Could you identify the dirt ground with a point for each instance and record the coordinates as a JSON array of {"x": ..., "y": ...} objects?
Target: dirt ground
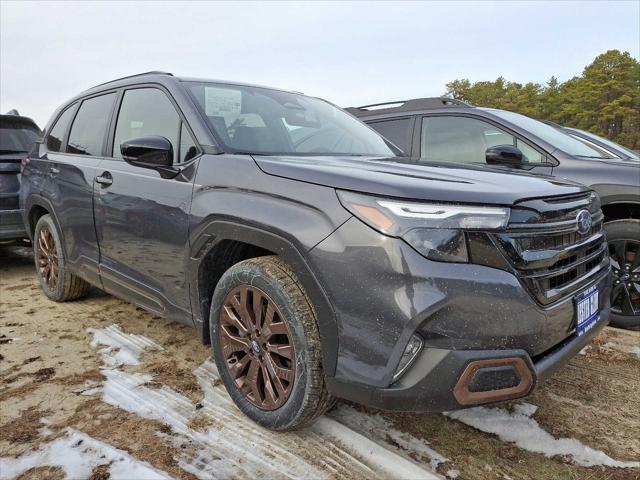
[{"x": 47, "y": 363}]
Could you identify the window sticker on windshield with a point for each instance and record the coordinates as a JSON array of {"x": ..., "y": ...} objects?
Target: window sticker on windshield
[
  {"x": 136, "y": 124},
  {"x": 222, "y": 102}
]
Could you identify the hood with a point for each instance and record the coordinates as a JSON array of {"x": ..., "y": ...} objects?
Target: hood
[{"x": 404, "y": 178}]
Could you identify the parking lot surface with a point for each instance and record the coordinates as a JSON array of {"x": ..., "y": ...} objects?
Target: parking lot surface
[{"x": 98, "y": 387}]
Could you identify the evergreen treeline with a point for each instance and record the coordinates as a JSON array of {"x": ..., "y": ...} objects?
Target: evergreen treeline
[{"x": 604, "y": 100}]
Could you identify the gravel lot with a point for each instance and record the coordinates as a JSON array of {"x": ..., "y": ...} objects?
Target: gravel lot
[{"x": 99, "y": 387}]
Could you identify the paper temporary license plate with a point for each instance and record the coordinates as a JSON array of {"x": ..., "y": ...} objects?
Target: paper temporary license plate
[{"x": 586, "y": 310}]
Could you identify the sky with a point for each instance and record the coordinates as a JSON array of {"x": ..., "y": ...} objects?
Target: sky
[{"x": 349, "y": 53}]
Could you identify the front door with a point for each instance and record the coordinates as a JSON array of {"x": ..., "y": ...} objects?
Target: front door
[
  {"x": 465, "y": 139},
  {"x": 142, "y": 218}
]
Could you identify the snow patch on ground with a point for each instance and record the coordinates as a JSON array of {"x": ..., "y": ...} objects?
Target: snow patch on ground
[
  {"x": 78, "y": 454},
  {"x": 518, "y": 427},
  {"x": 232, "y": 446},
  {"x": 632, "y": 349},
  {"x": 121, "y": 348},
  {"x": 453, "y": 473},
  {"x": 377, "y": 428}
]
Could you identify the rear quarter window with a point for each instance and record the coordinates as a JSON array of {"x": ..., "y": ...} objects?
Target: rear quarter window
[
  {"x": 56, "y": 135},
  {"x": 398, "y": 131}
]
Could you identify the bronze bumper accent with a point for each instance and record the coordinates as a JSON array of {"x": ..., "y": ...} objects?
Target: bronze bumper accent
[{"x": 466, "y": 397}]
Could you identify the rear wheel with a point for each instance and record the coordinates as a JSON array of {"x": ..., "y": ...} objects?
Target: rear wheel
[
  {"x": 266, "y": 344},
  {"x": 623, "y": 237},
  {"x": 56, "y": 281}
]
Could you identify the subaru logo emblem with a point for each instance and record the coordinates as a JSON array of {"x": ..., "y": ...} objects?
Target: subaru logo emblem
[{"x": 583, "y": 220}]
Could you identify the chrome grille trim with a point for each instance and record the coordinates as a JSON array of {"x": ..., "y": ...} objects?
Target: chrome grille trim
[{"x": 547, "y": 252}]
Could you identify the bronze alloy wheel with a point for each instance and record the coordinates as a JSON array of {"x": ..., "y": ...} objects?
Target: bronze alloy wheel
[
  {"x": 47, "y": 258},
  {"x": 257, "y": 347}
]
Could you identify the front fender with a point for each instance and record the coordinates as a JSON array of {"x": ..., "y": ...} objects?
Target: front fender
[
  {"x": 233, "y": 199},
  {"x": 215, "y": 231}
]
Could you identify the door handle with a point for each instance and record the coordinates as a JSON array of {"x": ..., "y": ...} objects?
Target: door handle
[
  {"x": 105, "y": 179},
  {"x": 54, "y": 170}
]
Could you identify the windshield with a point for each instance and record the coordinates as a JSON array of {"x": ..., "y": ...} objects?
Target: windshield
[
  {"x": 608, "y": 143},
  {"x": 16, "y": 138},
  {"x": 551, "y": 135},
  {"x": 271, "y": 122}
]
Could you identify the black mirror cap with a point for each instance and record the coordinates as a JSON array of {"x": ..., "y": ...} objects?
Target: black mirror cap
[
  {"x": 504, "y": 155},
  {"x": 148, "y": 152}
]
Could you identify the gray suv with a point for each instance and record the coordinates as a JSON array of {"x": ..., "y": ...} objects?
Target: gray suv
[
  {"x": 444, "y": 131},
  {"x": 315, "y": 260}
]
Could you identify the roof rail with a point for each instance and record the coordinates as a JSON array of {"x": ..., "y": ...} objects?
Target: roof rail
[
  {"x": 152, "y": 72},
  {"x": 408, "y": 105}
]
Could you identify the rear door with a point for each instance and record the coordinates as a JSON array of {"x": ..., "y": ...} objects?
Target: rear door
[
  {"x": 141, "y": 217},
  {"x": 72, "y": 158}
]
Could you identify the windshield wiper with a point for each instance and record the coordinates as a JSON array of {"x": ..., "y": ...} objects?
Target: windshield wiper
[{"x": 249, "y": 153}]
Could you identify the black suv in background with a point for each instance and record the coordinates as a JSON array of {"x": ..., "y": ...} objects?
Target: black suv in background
[
  {"x": 444, "y": 130},
  {"x": 17, "y": 136},
  {"x": 316, "y": 261}
]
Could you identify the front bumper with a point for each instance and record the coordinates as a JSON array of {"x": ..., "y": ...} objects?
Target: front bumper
[
  {"x": 430, "y": 385},
  {"x": 11, "y": 225},
  {"x": 383, "y": 291}
]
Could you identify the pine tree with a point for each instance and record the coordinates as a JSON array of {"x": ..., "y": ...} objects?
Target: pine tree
[{"x": 604, "y": 100}]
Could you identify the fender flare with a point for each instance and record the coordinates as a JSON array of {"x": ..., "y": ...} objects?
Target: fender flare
[
  {"x": 35, "y": 200},
  {"x": 213, "y": 232}
]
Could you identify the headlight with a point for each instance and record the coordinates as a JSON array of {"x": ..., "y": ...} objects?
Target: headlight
[{"x": 436, "y": 230}]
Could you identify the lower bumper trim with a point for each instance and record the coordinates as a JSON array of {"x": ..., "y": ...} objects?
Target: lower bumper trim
[{"x": 505, "y": 367}]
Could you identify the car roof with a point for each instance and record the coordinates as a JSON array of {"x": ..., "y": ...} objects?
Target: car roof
[
  {"x": 415, "y": 105},
  {"x": 14, "y": 118},
  {"x": 163, "y": 78}
]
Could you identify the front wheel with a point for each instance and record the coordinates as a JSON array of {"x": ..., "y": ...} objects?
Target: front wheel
[
  {"x": 266, "y": 344},
  {"x": 57, "y": 282},
  {"x": 623, "y": 237}
]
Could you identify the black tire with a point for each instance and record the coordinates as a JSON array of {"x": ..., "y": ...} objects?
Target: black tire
[
  {"x": 67, "y": 286},
  {"x": 620, "y": 232},
  {"x": 308, "y": 398}
]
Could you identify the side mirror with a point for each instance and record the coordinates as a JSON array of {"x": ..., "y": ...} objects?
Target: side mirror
[
  {"x": 153, "y": 152},
  {"x": 504, "y": 155}
]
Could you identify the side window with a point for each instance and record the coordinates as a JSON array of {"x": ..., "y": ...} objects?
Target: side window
[
  {"x": 188, "y": 148},
  {"x": 144, "y": 112},
  {"x": 90, "y": 125},
  {"x": 465, "y": 140},
  {"x": 398, "y": 131},
  {"x": 56, "y": 135},
  {"x": 530, "y": 154}
]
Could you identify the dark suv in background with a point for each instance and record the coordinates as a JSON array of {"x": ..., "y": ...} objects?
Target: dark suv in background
[
  {"x": 17, "y": 136},
  {"x": 444, "y": 130},
  {"x": 316, "y": 261}
]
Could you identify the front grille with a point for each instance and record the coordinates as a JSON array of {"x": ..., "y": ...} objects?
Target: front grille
[{"x": 544, "y": 247}]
